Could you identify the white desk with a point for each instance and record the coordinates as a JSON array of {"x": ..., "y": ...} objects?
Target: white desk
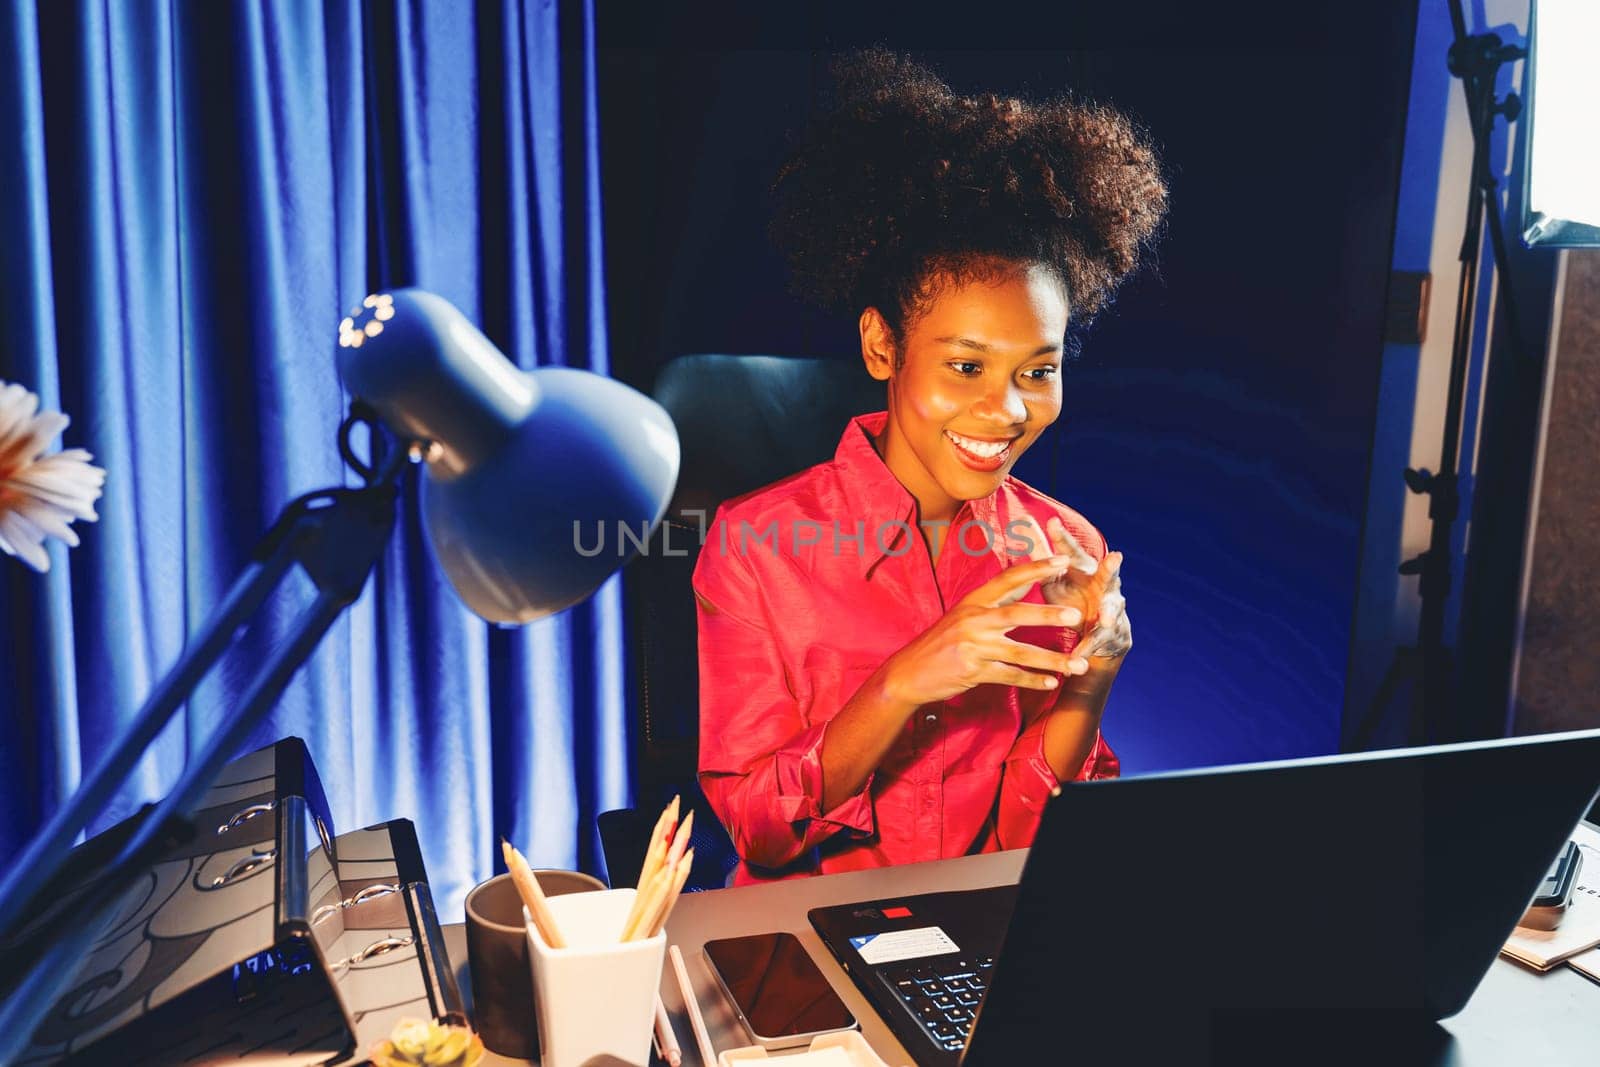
[{"x": 1515, "y": 1019}]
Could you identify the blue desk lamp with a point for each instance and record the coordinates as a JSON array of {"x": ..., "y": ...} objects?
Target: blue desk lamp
[{"x": 516, "y": 463}]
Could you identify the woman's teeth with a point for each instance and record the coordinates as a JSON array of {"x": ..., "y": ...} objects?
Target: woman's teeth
[{"x": 985, "y": 449}]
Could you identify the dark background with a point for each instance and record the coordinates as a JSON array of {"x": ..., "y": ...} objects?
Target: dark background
[{"x": 1219, "y": 423}]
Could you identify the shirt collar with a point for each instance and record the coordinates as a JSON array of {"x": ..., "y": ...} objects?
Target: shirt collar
[{"x": 875, "y": 497}]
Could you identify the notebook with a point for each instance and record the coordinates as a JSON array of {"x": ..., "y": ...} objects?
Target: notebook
[{"x": 1217, "y": 914}]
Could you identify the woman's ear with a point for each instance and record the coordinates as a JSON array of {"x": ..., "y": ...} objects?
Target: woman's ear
[{"x": 877, "y": 344}]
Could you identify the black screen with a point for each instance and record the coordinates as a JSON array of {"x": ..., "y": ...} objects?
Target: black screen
[{"x": 777, "y": 986}]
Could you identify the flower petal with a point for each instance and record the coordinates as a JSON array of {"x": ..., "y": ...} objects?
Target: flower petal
[
  {"x": 69, "y": 468},
  {"x": 49, "y": 519},
  {"x": 17, "y": 405},
  {"x": 78, "y": 455},
  {"x": 40, "y": 496},
  {"x": 74, "y": 498},
  {"x": 25, "y": 528},
  {"x": 28, "y": 441},
  {"x": 22, "y": 544},
  {"x": 46, "y": 427}
]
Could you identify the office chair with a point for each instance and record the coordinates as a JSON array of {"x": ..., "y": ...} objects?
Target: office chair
[{"x": 743, "y": 422}]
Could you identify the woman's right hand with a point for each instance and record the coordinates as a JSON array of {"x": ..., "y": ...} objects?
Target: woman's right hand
[{"x": 968, "y": 646}]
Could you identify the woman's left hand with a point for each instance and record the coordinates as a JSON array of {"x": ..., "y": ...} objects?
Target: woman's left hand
[{"x": 1094, "y": 587}]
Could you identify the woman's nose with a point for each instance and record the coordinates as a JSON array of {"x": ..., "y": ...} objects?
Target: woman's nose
[{"x": 1002, "y": 406}]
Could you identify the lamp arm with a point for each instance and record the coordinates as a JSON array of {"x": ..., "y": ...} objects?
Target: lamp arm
[
  {"x": 46, "y": 851},
  {"x": 44, "y": 854},
  {"x": 337, "y": 536},
  {"x": 54, "y": 971}
]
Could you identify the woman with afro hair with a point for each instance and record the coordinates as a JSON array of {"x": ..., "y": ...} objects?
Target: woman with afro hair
[{"x": 904, "y": 650}]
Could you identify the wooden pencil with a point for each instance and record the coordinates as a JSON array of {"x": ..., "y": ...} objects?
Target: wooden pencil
[
  {"x": 640, "y": 923},
  {"x": 659, "y": 921},
  {"x": 654, "y": 854},
  {"x": 660, "y": 838},
  {"x": 648, "y": 900},
  {"x": 680, "y": 839},
  {"x": 528, "y": 888}
]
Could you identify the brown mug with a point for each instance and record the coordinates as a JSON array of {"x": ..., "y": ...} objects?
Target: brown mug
[{"x": 497, "y": 955}]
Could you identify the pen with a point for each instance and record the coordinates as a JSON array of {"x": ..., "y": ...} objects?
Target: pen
[
  {"x": 666, "y": 1041},
  {"x": 697, "y": 1023}
]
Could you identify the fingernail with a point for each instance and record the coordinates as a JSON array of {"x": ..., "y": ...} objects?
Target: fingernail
[
  {"x": 1081, "y": 666},
  {"x": 1071, "y": 616},
  {"x": 1050, "y": 682}
]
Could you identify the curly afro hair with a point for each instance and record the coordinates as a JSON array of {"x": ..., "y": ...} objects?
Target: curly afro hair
[{"x": 902, "y": 183}]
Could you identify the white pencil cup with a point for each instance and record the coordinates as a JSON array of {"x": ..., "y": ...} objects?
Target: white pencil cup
[{"x": 596, "y": 998}]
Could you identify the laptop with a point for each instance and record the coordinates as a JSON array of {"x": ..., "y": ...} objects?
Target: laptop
[{"x": 1214, "y": 914}]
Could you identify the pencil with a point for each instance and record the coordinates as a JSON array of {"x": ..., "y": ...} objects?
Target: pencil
[
  {"x": 660, "y": 839},
  {"x": 680, "y": 839},
  {"x": 697, "y": 1022},
  {"x": 666, "y": 1040},
  {"x": 680, "y": 876},
  {"x": 643, "y": 916},
  {"x": 646, "y": 901},
  {"x": 653, "y": 856},
  {"x": 528, "y": 887}
]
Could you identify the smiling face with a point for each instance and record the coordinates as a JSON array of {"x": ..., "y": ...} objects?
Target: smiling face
[{"x": 979, "y": 382}]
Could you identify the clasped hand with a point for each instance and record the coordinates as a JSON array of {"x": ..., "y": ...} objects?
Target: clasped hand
[{"x": 969, "y": 645}]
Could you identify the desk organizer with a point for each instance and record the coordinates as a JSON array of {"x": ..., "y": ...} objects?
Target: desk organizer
[
  {"x": 596, "y": 998},
  {"x": 257, "y": 935}
]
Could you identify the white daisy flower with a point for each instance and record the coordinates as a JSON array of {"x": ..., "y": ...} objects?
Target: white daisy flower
[{"x": 40, "y": 495}]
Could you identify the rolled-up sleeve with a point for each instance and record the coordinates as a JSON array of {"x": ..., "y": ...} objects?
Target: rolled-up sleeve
[
  {"x": 760, "y": 754},
  {"x": 1028, "y": 782}
]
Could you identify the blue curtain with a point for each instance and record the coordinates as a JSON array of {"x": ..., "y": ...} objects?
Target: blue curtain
[{"x": 190, "y": 196}]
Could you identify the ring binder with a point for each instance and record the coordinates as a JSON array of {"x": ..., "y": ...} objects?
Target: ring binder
[{"x": 257, "y": 937}]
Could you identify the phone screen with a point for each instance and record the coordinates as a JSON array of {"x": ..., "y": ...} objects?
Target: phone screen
[{"x": 777, "y": 986}]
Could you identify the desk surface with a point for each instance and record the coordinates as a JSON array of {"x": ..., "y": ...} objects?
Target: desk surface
[{"x": 1516, "y": 1017}]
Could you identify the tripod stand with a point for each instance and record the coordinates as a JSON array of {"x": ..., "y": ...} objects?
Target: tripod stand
[{"x": 1430, "y": 665}]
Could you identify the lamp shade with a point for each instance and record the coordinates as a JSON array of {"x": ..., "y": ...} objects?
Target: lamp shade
[{"x": 539, "y": 484}]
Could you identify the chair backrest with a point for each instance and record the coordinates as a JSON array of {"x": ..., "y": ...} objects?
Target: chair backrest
[
  {"x": 746, "y": 421},
  {"x": 743, "y": 422}
]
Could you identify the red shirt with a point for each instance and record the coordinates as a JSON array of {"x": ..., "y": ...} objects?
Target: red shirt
[{"x": 804, "y": 589}]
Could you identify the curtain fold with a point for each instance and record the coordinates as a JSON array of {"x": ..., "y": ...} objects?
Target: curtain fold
[{"x": 192, "y": 195}]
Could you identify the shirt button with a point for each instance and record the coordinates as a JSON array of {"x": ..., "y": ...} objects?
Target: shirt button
[{"x": 930, "y": 717}]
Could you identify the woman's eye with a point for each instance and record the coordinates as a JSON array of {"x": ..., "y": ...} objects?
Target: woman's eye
[
  {"x": 1040, "y": 374},
  {"x": 965, "y": 367}
]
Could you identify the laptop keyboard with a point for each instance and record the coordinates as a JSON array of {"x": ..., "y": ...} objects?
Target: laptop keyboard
[{"x": 943, "y": 995}]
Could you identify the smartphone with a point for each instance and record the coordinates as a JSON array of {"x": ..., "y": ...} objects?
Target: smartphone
[{"x": 776, "y": 989}]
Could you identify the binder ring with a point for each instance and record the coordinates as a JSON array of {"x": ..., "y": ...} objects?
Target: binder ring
[
  {"x": 371, "y": 892},
  {"x": 377, "y": 948},
  {"x": 245, "y": 814},
  {"x": 243, "y": 867}
]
